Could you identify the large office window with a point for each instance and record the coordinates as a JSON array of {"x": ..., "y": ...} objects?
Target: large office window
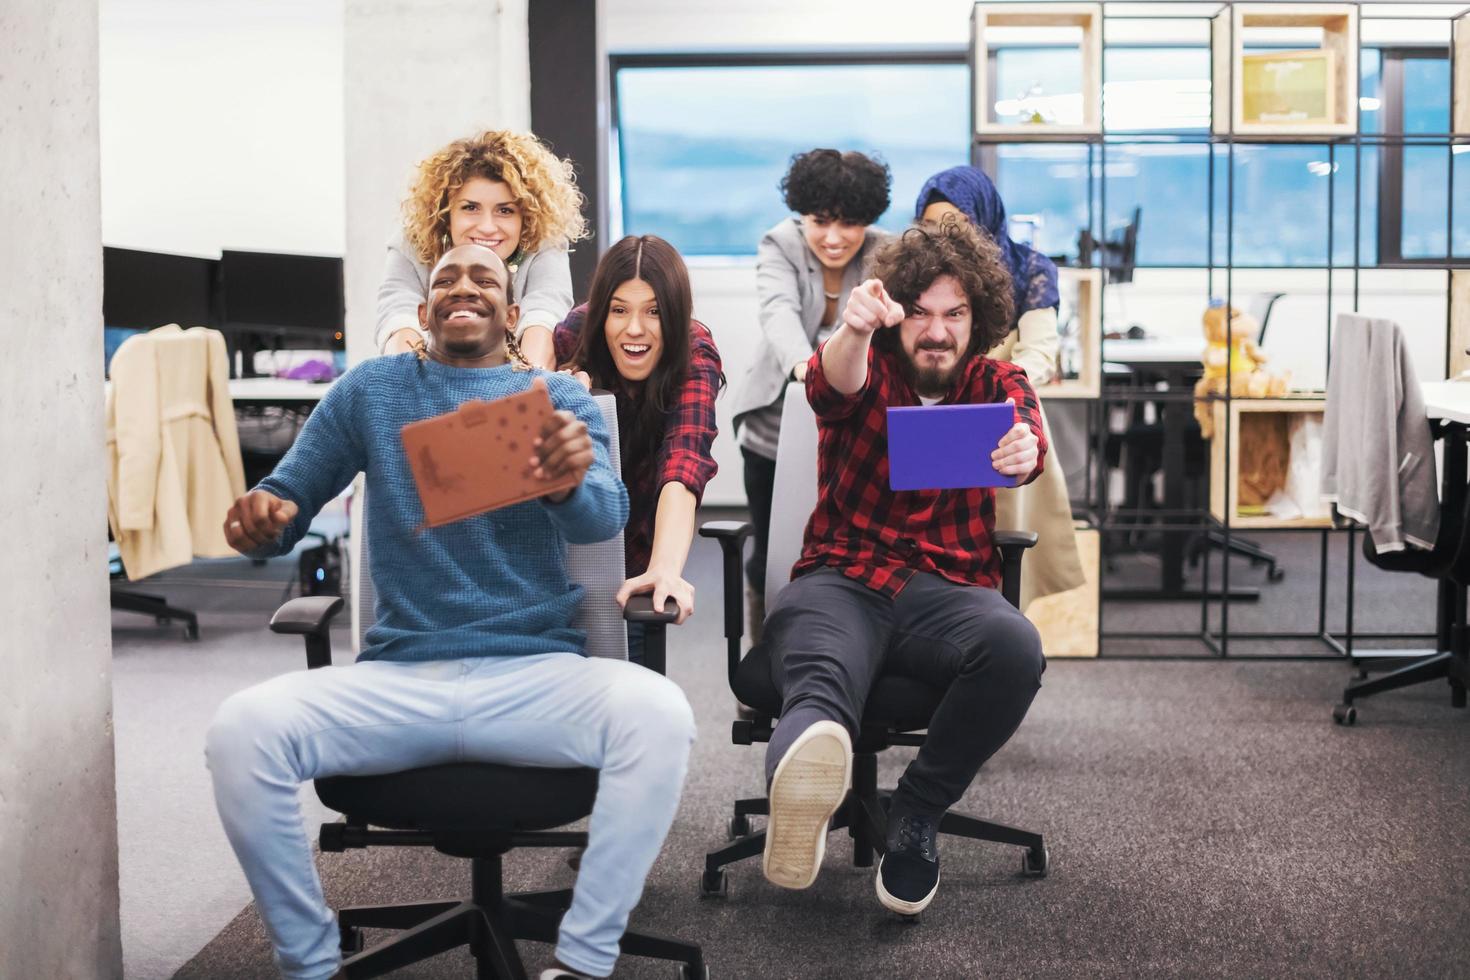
[
  {"x": 701, "y": 149},
  {"x": 701, "y": 144}
]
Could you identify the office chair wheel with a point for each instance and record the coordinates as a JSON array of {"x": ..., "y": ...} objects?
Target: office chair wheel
[
  {"x": 738, "y": 827},
  {"x": 1345, "y": 714},
  {"x": 351, "y": 941},
  {"x": 687, "y": 974},
  {"x": 714, "y": 884},
  {"x": 191, "y": 631},
  {"x": 1035, "y": 862},
  {"x": 1275, "y": 573}
]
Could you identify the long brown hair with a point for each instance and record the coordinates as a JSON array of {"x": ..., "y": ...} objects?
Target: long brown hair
[{"x": 642, "y": 406}]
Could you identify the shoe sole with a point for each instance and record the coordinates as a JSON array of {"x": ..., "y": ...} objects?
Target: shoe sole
[
  {"x": 898, "y": 905},
  {"x": 810, "y": 784}
]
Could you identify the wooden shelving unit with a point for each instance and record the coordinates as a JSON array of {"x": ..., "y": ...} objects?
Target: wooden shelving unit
[
  {"x": 1088, "y": 17},
  {"x": 1461, "y": 87},
  {"x": 1459, "y": 321},
  {"x": 1339, "y": 26},
  {"x": 1067, "y": 621},
  {"x": 1250, "y": 418},
  {"x": 1088, "y": 317}
]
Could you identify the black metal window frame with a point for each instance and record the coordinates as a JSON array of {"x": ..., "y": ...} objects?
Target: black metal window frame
[{"x": 1391, "y": 158}]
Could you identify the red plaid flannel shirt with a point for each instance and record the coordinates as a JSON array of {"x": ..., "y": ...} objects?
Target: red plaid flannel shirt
[
  {"x": 689, "y": 431},
  {"x": 881, "y": 537}
]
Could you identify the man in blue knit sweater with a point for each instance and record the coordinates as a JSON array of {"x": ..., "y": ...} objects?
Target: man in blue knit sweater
[{"x": 472, "y": 657}]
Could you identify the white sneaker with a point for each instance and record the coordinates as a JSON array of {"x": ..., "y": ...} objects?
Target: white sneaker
[{"x": 811, "y": 782}]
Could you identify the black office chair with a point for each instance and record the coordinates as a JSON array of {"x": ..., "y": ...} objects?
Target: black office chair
[
  {"x": 897, "y": 707},
  {"x": 480, "y": 811}
]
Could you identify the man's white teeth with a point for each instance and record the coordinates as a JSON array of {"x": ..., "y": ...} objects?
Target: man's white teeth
[{"x": 462, "y": 315}]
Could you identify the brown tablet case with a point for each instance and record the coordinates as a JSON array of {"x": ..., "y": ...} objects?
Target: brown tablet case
[{"x": 475, "y": 459}]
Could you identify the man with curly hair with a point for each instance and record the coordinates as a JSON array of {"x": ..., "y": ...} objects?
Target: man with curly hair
[{"x": 905, "y": 582}]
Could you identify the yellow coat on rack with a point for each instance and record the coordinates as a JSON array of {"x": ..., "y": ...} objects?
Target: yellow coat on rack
[
  {"x": 1042, "y": 506},
  {"x": 174, "y": 464}
]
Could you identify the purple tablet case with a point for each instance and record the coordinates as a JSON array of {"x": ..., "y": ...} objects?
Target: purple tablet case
[{"x": 946, "y": 447}]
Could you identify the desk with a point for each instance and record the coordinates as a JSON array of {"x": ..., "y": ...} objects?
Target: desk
[
  {"x": 268, "y": 391},
  {"x": 1448, "y": 403},
  {"x": 1178, "y": 362}
]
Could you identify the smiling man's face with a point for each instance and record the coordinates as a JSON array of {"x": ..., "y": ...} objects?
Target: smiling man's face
[{"x": 468, "y": 309}]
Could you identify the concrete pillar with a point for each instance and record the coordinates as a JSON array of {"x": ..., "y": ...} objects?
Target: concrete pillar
[
  {"x": 418, "y": 74},
  {"x": 58, "y": 813}
]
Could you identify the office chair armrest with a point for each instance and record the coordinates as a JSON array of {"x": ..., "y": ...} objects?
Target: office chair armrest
[
  {"x": 640, "y": 610},
  {"x": 1012, "y": 546},
  {"x": 1013, "y": 539},
  {"x": 310, "y": 616},
  {"x": 306, "y": 615},
  {"x": 731, "y": 535}
]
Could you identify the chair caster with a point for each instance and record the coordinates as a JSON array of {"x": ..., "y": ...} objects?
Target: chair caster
[
  {"x": 191, "y": 631},
  {"x": 351, "y": 941},
  {"x": 685, "y": 973},
  {"x": 1035, "y": 862},
  {"x": 1275, "y": 573},
  {"x": 714, "y": 884},
  {"x": 1345, "y": 714},
  {"x": 738, "y": 827}
]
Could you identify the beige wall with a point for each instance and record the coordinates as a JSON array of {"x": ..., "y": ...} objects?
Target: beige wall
[{"x": 58, "y": 824}]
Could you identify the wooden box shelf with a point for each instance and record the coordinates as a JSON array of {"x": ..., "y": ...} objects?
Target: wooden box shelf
[
  {"x": 1459, "y": 322},
  {"x": 1087, "y": 16},
  {"x": 1087, "y": 323},
  {"x": 1339, "y": 25},
  {"x": 1460, "y": 91},
  {"x": 1251, "y": 418}
]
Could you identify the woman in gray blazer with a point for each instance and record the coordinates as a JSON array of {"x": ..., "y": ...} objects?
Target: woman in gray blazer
[{"x": 804, "y": 269}]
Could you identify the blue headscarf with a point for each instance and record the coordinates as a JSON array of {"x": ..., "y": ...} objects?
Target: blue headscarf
[{"x": 1033, "y": 275}]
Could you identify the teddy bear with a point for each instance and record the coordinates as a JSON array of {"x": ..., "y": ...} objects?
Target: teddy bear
[{"x": 1231, "y": 355}]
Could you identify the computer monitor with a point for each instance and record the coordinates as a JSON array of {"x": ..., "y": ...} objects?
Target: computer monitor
[
  {"x": 281, "y": 301},
  {"x": 1117, "y": 255},
  {"x": 143, "y": 290}
]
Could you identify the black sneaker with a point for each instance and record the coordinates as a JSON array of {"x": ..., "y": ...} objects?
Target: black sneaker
[{"x": 908, "y": 874}]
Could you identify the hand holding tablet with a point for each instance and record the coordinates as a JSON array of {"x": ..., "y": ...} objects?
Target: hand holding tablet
[{"x": 954, "y": 447}]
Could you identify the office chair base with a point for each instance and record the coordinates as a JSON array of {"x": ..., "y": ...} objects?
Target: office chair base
[
  {"x": 157, "y": 607},
  {"x": 1441, "y": 665},
  {"x": 489, "y": 923}
]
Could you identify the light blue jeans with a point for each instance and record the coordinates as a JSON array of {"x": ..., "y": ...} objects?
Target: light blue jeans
[{"x": 557, "y": 709}]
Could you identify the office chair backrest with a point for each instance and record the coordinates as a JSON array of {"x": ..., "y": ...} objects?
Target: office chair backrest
[
  {"x": 794, "y": 494},
  {"x": 598, "y": 568}
]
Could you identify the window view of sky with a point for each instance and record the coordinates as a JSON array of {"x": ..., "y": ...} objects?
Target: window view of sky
[{"x": 701, "y": 151}]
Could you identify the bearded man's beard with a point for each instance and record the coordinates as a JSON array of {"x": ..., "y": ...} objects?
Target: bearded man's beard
[{"x": 930, "y": 381}]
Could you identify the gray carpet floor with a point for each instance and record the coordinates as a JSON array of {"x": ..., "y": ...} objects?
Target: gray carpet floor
[{"x": 1204, "y": 819}]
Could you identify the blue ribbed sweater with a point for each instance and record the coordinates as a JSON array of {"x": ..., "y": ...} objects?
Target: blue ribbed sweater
[{"x": 492, "y": 585}]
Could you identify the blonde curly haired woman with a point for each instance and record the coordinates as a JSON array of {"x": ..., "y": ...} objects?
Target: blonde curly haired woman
[{"x": 501, "y": 189}]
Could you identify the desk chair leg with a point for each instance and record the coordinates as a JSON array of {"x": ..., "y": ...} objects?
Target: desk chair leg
[
  {"x": 1430, "y": 668},
  {"x": 496, "y": 957},
  {"x": 439, "y": 934},
  {"x": 157, "y": 607},
  {"x": 664, "y": 948},
  {"x": 390, "y": 916}
]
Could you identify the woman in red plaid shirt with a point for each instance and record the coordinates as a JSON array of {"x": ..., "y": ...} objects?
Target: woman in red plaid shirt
[
  {"x": 906, "y": 582},
  {"x": 664, "y": 370}
]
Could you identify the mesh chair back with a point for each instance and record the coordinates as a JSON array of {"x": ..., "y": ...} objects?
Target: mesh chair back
[
  {"x": 795, "y": 490},
  {"x": 598, "y": 568}
]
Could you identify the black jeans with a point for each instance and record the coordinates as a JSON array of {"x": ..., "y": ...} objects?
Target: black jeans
[
  {"x": 831, "y": 636},
  {"x": 760, "y": 483}
]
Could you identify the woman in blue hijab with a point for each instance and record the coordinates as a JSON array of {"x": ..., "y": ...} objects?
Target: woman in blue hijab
[
  {"x": 1041, "y": 506},
  {"x": 969, "y": 194}
]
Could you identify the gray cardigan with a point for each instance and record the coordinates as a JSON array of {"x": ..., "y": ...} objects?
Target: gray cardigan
[
  {"x": 788, "y": 286},
  {"x": 1377, "y": 446},
  {"x": 542, "y": 283}
]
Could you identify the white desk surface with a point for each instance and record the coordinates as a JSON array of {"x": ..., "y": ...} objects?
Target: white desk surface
[
  {"x": 276, "y": 389},
  {"x": 1154, "y": 350},
  {"x": 269, "y": 390},
  {"x": 1447, "y": 400}
]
